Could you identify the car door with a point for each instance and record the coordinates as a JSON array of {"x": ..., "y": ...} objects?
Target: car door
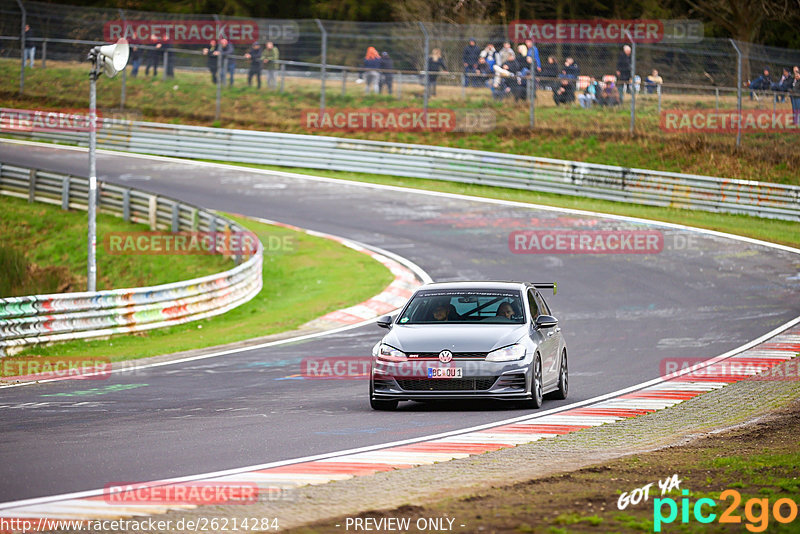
[{"x": 549, "y": 340}]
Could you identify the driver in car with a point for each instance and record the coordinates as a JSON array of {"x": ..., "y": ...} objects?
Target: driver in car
[
  {"x": 440, "y": 313},
  {"x": 505, "y": 310}
]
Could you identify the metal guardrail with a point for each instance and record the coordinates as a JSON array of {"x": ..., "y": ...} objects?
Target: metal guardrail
[
  {"x": 47, "y": 318},
  {"x": 607, "y": 182}
]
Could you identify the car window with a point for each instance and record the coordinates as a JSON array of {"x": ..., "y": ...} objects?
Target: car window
[
  {"x": 483, "y": 306},
  {"x": 532, "y": 304},
  {"x": 543, "y": 307}
]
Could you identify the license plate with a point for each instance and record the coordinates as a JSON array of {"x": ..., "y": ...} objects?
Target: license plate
[{"x": 445, "y": 372}]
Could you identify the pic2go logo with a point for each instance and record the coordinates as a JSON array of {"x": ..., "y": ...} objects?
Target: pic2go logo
[{"x": 756, "y": 511}]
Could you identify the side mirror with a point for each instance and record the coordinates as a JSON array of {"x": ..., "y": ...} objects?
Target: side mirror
[
  {"x": 546, "y": 321},
  {"x": 386, "y": 321}
]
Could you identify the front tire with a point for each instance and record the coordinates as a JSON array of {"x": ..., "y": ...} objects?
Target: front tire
[
  {"x": 535, "y": 402},
  {"x": 381, "y": 405},
  {"x": 563, "y": 380}
]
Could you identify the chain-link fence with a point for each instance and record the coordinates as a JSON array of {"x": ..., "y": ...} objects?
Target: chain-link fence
[{"x": 323, "y": 64}]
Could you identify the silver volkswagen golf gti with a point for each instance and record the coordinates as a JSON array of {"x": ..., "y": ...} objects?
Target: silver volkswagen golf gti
[{"x": 468, "y": 340}]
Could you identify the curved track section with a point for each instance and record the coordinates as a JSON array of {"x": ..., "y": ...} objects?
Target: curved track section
[{"x": 623, "y": 314}]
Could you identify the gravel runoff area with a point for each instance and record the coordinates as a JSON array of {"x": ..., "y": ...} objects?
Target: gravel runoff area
[{"x": 324, "y": 506}]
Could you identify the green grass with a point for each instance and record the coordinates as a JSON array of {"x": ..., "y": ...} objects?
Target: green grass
[
  {"x": 308, "y": 279},
  {"x": 776, "y": 231},
  {"x": 43, "y": 250},
  {"x": 598, "y": 135}
]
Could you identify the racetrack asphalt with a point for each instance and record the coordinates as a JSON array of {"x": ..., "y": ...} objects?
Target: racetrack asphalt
[{"x": 622, "y": 316}]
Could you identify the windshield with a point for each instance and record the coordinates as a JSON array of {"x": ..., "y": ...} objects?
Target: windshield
[{"x": 464, "y": 306}]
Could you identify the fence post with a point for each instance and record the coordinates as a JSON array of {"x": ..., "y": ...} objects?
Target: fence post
[
  {"x": 152, "y": 212},
  {"x": 32, "y": 185},
  {"x": 344, "y": 81},
  {"x": 425, "y": 66},
  {"x": 738, "y": 93},
  {"x": 164, "y": 71},
  {"x": 44, "y": 54},
  {"x": 220, "y": 74},
  {"x": 532, "y": 98},
  {"x": 716, "y": 99},
  {"x": 399, "y": 93},
  {"x": 22, "y": 47},
  {"x": 658, "y": 89},
  {"x": 633, "y": 85},
  {"x": 65, "y": 193},
  {"x": 125, "y": 70},
  {"x": 323, "y": 61},
  {"x": 126, "y": 205},
  {"x": 175, "y": 226},
  {"x": 283, "y": 75}
]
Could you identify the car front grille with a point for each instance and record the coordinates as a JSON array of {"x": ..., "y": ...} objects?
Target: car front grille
[
  {"x": 456, "y": 355},
  {"x": 480, "y": 383}
]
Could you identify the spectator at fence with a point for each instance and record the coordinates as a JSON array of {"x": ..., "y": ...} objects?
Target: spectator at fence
[
  {"x": 228, "y": 61},
  {"x": 608, "y": 93},
  {"x": 483, "y": 73},
  {"x": 135, "y": 60},
  {"x": 212, "y": 51},
  {"x": 387, "y": 77},
  {"x": 153, "y": 55},
  {"x": 372, "y": 65},
  {"x": 795, "y": 95},
  {"x": 505, "y": 54},
  {"x": 564, "y": 92},
  {"x": 254, "y": 55},
  {"x": 504, "y": 81},
  {"x": 623, "y": 72},
  {"x": 434, "y": 66},
  {"x": 652, "y": 82},
  {"x": 470, "y": 59},
  {"x": 571, "y": 68},
  {"x": 532, "y": 57},
  {"x": 762, "y": 83},
  {"x": 589, "y": 95},
  {"x": 783, "y": 85},
  {"x": 30, "y": 47},
  {"x": 521, "y": 61},
  {"x": 169, "y": 58},
  {"x": 549, "y": 72},
  {"x": 490, "y": 55},
  {"x": 271, "y": 58}
]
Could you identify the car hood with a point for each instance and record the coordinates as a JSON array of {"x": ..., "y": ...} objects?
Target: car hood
[{"x": 453, "y": 337}]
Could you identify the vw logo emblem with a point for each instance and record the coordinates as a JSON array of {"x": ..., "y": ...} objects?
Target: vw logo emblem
[{"x": 445, "y": 356}]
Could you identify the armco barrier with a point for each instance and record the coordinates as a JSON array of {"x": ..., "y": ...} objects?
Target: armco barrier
[
  {"x": 47, "y": 318},
  {"x": 451, "y": 164}
]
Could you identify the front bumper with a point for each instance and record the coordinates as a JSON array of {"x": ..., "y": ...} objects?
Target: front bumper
[{"x": 480, "y": 379}]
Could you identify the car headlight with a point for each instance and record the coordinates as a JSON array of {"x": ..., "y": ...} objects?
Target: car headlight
[
  {"x": 390, "y": 354},
  {"x": 507, "y": 354}
]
